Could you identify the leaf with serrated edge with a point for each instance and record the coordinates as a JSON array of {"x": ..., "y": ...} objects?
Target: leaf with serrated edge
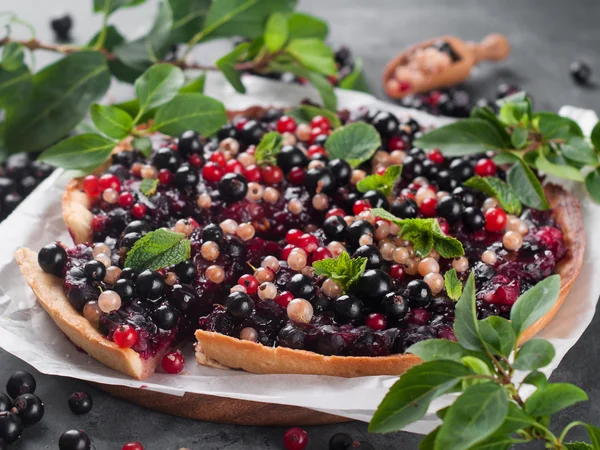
[
  {"x": 552, "y": 398},
  {"x": 157, "y": 250},
  {"x": 466, "y": 326},
  {"x": 534, "y": 303},
  {"x": 268, "y": 148},
  {"x": 408, "y": 399},
  {"x": 383, "y": 183},
  {"x": 534, "y": 354},
  {"x": 578, "y": 446},
  {"x": 148, "y": 186},
  {"x": 452, "y": 284},
  {"x": 495, "y": 187},
  {"x": 355, "y": 143},
  {"x": 343, "y": 270},
  {"x": 84, "y": 151}
]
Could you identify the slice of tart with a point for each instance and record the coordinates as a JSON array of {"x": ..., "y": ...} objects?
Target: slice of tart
[{"x": 207, "y": 239}]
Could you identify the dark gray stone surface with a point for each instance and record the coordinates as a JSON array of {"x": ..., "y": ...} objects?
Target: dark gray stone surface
[{"x": 546, "y": 37}]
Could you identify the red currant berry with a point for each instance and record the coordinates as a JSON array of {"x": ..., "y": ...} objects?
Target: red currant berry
[
  {"x": 296, "y": 175},
  {"x": 434, "y": 97},
  {"x": 165, "y": 176},
  {"x": 284, "y": 298},
  {"x": 308, "y": 242},
  {"x": 397, "y": 143},
  {"x": 380, "y": 170},
  {"x": 485, "y": 168},
  {"x": 125, "y": 199},
  {"x": 272, "y": 175},
  {"x": 99, "y": 222},
  {"x": 321, "y": 122},
  {"x": 397, "y": 271},
  {"x": 360, "y": 206},
  {"x": 109, "y": 181},
  {"x": 133, "y": 446},
  {"x": 249, "y": 282},
  {"x": 404, "y": 86},
  {"x": 196, "y": 160},
  {"x": 252, "y": 173},
  {"x": 240, "y": 122},
  {"x": 286, "y": 251},
  {"x": 314, "y": 150},
  {"x": 335, "y": 212},
  {"x": 376, "y": 321},
  {"x": 314, "y": 133},
  {"x": 125, "y": 336},
  {"x": 91, "y": 185},
  {"x": 436, "y": 156},
  {"x": 495, "y": 219},
  {"x": 286, "y": 124},
  {"x": 322, "y": 253},
  {"x": 414, "y": 186},
  {"x": 212, "y": 172},
  {"x": 295, "y": 439},
  {"x": 173, "y": 362},
  {"x": 292, "y": 236},
  {"x": 139, "y": 210},
  {"x": 218, "y": 158},
  {"x": 234, "y": 166},
  {"x": 428, "y": 207}
]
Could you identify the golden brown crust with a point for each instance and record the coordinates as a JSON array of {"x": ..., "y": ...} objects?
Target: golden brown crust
[{"x": 50, "y": 294}]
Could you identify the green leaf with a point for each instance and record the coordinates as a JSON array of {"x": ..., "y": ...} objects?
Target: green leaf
[
  {"x": 592, "y": 183},
  {"x": 158, "y": 249},
  {"x": 12, "y": 57},
  {"x": 148, "y": 186},
  {"x": 562, "y": 171},
  {"x": 110, "y": 6},
  {"x": 158, "y": 85},
  {"x": 383, "y": 183},
  {"x": 462, "y": 138},
  {"x": 486, "y": 113},
  {"x": 194, "y": 86},
  {"x": 553, "y": 126},
  {"x": 495, "y": 187},
  {"x": 506, "y": 157},
  {"x": 119, "y": 69},
  {"x": 227, "y": 66},
  {"x": 435, "y": 349},
  {"x": 516, "y": 419},
  {"x": 595, "y": 136},
  {"x": 408, "y": 399},
  {"x": 498, "y": 335},
  {"x": 477, "y": 365},
  {"x": 343, "y": 270},
  {"x": 536, "y": 378},
  {"x": 552, "y": 398},
  {"x": 15, "y": 86},
  {"x": 446, "y": 246},
  {"x": 305, "y": 113},
  {"x": 188, "y": 18},
  {"x": 276, "y": 32},
  {"x": 355, "y": 80},
  {"x": 578, "y": 150},
  {"x": 314, "y": 54},
  {"x": 111, "y": 121},
  {"x": 245, "y": 18},
  {"x": 84, "y": 151},
  {"x": 302, "y": 25},
  {"x": 429, "y": 441},
  {"x": 452, "y": 284},
  {"x": 594, "y": 434},
  {"x": 268, "y": 149},
  {"x": 534, "y": 354},
  {"x": 190, "y": 112},
  {"x": 475, "y": 415},
  {"x": 526, "y": 186},
  {"x": 534, "y": 303},
  {"x": 143, "y": 144},
  {"x": 466, "y": 326},
  {"x": 151, "y": 48},
  {"x": 355, "y": 143},
  {"x": 578, "y": 446},
  {"x": 519, "y": 137},
  {"x": 62, "y": 95}
]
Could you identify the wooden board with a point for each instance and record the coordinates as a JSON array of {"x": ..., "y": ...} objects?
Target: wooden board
[{"x": 223, "y": 410}]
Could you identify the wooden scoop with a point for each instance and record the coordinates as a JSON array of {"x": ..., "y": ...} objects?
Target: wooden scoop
[{"x": 494, "y": 47}]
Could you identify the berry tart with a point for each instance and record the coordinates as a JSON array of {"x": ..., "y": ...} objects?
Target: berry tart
[{"x": 278, "y": 256}]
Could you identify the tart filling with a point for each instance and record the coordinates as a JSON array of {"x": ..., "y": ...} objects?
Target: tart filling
[{"x": 257, "y": 226}]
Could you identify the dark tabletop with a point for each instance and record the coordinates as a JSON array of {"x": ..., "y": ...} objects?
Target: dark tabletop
[{"x": 546, "y": 36}]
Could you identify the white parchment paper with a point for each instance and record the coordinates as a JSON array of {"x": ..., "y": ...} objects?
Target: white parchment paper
[{"x": 27, "y": 331}]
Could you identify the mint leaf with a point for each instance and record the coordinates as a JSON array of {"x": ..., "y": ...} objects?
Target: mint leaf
[
  {"x": 534, "y": 303},
  {"x": 526, "y": 186},
  {"x": 276, "y": 32},
  {"x": 577, "y": 149},
  {"x": 148, "y": 187},
  {"x": 268, "y": 149},
  {"x": 302, "y": 25},
  {"x": 462, "y": 138},
  {"x": 305, "y": 113},
  {"x": 158, "y": 85},
  {"x": 143, "y": 144},
  {"x": 408, "y": 399},
  {"x": 82, "y": 152},
  {"x": 534, "y": 354},
  {"x": 313, "y": 54},
  {"x": 157, "y": 250},
  {"x": 227, "y": 66},
  {"x": 434, "y": 349},
  {"x": 355, "y": 143},
  {"x": 452, "y": 284},
  {"x": 552, "y": 398},
  {"x": 466, "y": 325},
  {"x": 495, "y": 187},
  {"x": 383, "y": 183},
  {"x": 343, "y": 270},
  {"x": 111, "y": 121},
  {"x": 562, "y": 171}
]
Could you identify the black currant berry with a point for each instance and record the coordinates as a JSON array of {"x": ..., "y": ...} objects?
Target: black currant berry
[
  {"x": 182, "y": 297},
  {"x": 372, "y": 286},
  {"x": 186, "y": 177},
  {"x": 166, "y": 158},
  {"x": 190, "y": 144},
  {"x": 335, "y": 228},
  {"x": 450, "y": 208},
  {"x": 137, "y": 226},
  {"x": 5, "y": 403},
  {"x": 376, "y": 199},
  {"x": 394, "y": 305},
  {"x": 20, "y": 383},
  {"x": 446, "y": 181},
  {"x": 94, "y": 270},
  {"x": 385, "y": 123},
  {"x": 227, "y": 131},
  {"x": 581, "y": 72},
  {"x": 252, "y": 132},
  {"x": 129, "y": 240},
  {"x": 213, "y": 232},
  {"x": 239, "y": 305},
  {"x": 11, "y": 427},
  {"x": 125, "y": 289},
  {"x": 62, "y": 27},
  {"x": 373, "y": 255},
  {"x": 347, "y": 308},
  {"x": 341, "y": 441},
  {"x": 186, "y": 271},
  {"x": 52, "y": 259},
  {"x": 74, "y": 440},
  {"x": 80, "y": 403},
  {"x": 301, "y": 286},
  {"x": 320, "y": 180},
  {"x": 341, "y": 171},
  {"x": 461, "y": 169},
  {"x": 233, "y": 187},
  {"x": 150, "y": 285},
  {"x": 466, "y": 196},
  {"x": 165, "y": 317},
  {"x": 30, "y": 408},
  {"x": 405, "y": 209},
  {"x": 473, "y": 218},
  {"x": 356, "y": 230},
  {"x": 418, "y": 294},
  {"x": 291, "y": 156}
]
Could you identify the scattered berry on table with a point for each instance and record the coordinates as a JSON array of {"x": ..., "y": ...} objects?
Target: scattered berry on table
[
  {"x": 74, "y": 440},
  {"x": 80, "y": 403},
  {"x": 295, "y": 439}
]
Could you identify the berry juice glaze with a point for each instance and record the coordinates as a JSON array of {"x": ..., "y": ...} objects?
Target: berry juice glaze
[{"x": 255, "y": 229}]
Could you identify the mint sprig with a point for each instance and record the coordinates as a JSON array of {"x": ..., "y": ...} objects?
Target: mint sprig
[
  {"x": 501, "y": 191},
  {"x": 148, "y": 187},
  {"x": 158, "y": 249},
  {"x": 268, "y": 149},
  {"x": 452, "y": 284},
  {"x": 382, "y": 183},
  {"x": 343, "y": 270},
  {"x": 424, "y": 234}
]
